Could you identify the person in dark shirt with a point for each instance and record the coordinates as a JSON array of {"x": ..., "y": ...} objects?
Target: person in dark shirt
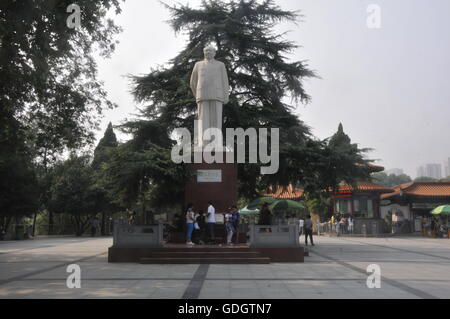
[
  {"x": 265, "y": 215},
  {"x": 236, "y": 220},
  {"x": 308, "y": 230},
  {"x": 200, "y": 234}
]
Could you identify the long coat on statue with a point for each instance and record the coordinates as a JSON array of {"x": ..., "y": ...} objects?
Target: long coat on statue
[{"x": 209, "y": 81}]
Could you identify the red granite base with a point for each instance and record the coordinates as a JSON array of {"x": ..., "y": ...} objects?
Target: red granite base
[
  {"x": 222, "y": 194},
  {"x": 182, "y": 254}
]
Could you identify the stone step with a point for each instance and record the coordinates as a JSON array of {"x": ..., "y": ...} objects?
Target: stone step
[
  {"x": 199, "y": 248},
  {"x": 205, "y": 260},
  {"x": 208, "y": 254}
]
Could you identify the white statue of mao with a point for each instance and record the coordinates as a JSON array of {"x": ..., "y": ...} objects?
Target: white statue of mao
[{"x": 209, "y": 83}]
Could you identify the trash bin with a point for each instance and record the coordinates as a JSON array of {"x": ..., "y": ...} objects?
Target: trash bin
[{"x": 20, "y": 232}]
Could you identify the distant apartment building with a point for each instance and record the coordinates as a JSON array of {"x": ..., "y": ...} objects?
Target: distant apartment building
[
  {"x": 430, "y": 170},
  {"x": 433, "y": 170},
  {"x": 420, "y": 171},
  {"x": 447, "y": 168},
  {"x": 395, "y": 171}
]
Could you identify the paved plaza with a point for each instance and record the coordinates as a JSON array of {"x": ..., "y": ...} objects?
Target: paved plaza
[{"x": 411, "y": 267}]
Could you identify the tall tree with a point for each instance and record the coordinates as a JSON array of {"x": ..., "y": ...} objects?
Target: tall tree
[
  {"x": 261, "y": 80},
  {"x": 18, "y": 183},
  {"x": 102, "y": 156},
  {"x": 425, "y": 179},
  {"x": 48, "y": 74},
  {"x": 108, "y": 141},
  {"x": 142, "y": 171},
  {"x": 391, "y": 179},
  {"x": 74, "y": 191}
]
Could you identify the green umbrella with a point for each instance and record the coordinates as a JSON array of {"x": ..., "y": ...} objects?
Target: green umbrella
[
  {"x": 246, "y": 210},
  {"x": 444, "y": 210},
  {"x": 284, "y": 205},
  {"x": 260, "y": 201}
]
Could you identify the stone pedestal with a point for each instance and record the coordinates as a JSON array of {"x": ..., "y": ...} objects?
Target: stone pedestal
[{"x": 212, "y": 182}]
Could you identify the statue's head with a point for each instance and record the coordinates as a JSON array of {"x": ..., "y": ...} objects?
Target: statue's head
[{"x": 210, "y": 52}]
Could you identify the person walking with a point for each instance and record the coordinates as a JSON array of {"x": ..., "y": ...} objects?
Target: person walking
[
  {"x": 200, "y": 233},
  {"x": 350, "y": 225},
  {"x": 309, "y": 230},
  {"x": 236, "y": 222},
  {"x": 94, "y": 226},
  {"x": 332, "y": 224},
  {"x": 211, "y": 221},
  {"x": 318, "y": 225},
  {"x": 265, "y": 215},
  {"x": 190, "y": 220},
  {"x": 229, "y": 226},
  {"x": 301, "y": 224},
  {"x": 342, "y": 224}
]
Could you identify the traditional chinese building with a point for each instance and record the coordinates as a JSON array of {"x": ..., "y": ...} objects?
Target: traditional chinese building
[
  {"x": 415, "y": 200},
  {"x": 288, "y": 192},
  {"x": 361, "y": 201}
]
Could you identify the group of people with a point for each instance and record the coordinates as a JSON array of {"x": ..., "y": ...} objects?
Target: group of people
[
  {"x": 338, "y": 224},
  {"x": 200, "y": 228},
  {"x": 434, "y": 227}
]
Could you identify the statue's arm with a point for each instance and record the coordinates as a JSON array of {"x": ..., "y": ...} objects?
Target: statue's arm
[
  {"x": 194, "y": 80},
  {"x": 226, "y": 84}
]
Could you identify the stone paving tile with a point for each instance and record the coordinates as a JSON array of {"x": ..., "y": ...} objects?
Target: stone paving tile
[{"x": 419, "y": 266}]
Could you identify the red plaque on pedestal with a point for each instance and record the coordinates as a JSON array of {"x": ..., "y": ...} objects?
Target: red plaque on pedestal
[{"x": 216, "y": 183}]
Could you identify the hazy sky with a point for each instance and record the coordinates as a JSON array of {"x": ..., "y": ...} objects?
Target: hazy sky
[{"x": 389, "y": 87}]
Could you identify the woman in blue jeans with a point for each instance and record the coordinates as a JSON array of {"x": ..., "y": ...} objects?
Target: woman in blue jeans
[{"x": 190, "y": 220}]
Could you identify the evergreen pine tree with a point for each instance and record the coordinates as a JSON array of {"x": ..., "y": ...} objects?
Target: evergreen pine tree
[
  {"x": 108, "y": 141},
  {"x": 261, "y": 78}
]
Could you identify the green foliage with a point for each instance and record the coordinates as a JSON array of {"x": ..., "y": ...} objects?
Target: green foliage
[
  {"x": 260, "y": 75},
  {"x": 74, "y": 191},
  {"x": 318, "y": 204},
  {"x": 108, "y": 141},
  {"x": 425, "y": 179},
  {"x": 347, "y": 159},
  {"x": 261, "y": 78},
  {"x": 143, "y": 174},
  {"x": 18, "y": 186},
  {"x": 48, "y": 73},
  {"x": 391, "y": 179},
  {"x": 18, "y": 182}
]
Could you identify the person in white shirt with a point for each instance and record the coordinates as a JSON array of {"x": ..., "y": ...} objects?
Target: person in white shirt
[
  {"x": 301, "y": 224},
  {"x": 211, "y": 220},
  {"x": 350, "y": 225}
]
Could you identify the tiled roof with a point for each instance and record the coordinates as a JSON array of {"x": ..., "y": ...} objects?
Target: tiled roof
[
  {"x": 421, "y": 189},
  {"x": 365, "y": 187},
  {"x": 288, "y": 192}
]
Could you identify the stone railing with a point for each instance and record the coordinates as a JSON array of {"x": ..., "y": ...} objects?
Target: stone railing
[
  {"x": 274, "y": 236},
  {"x": 138, "y": 236}
]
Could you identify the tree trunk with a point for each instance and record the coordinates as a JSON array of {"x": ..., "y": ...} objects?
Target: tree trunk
[
  {"x": 78, "y": 230},
  {"x": 7, "y": 222},
  {"x": 50, "y": 223},
  {"x": 34, "y": 224},
  {"x": 102, "y": 227}
]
